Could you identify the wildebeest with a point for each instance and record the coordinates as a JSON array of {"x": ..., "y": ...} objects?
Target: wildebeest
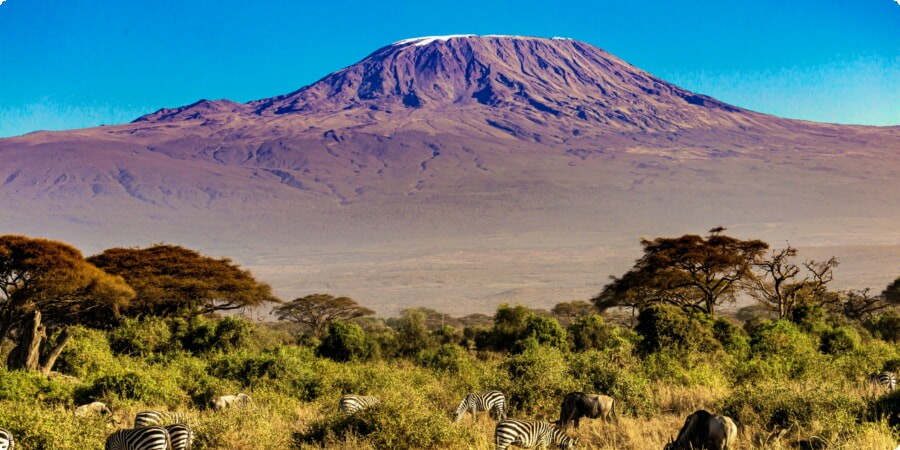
[
  {"x": 705, "y": 431},
  {"x": 92, "y": 409},
  {"x": 231, "y": 401},
  {"x": 578, "y": 404}
]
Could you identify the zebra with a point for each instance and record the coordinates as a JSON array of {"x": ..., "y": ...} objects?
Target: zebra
[
  {"x": 482, "y": 401},
  {"x": 352, "y": 404},
  {"x": 885, "y": 379},
  {"x": 159, "y": 418},
  {"x": 6, "y": 440},
  {"x": 181, "y": 436},
  {"x": 147, "y": 438},
  {"x": 530, "y": 434}
]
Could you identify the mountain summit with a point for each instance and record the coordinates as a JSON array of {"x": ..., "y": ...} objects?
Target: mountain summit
[
  {"x": 465, "y": 169},
  {"x": 561, "y": 86}
]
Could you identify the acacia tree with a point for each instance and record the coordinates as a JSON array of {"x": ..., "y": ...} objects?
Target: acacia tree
[
  {"x": 690, "y": 271},
  {"x": 316, "y": 311},
  {"x": 172, "y": 280},
  {"x": 45, "y": 286},
  {"x": 778, "y": 285}
]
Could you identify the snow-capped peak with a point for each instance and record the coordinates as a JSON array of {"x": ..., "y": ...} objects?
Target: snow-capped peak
[{"x": 425, "y": 40}]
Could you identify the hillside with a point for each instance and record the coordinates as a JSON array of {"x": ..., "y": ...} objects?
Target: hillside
[{"x": 458, "y": 172}]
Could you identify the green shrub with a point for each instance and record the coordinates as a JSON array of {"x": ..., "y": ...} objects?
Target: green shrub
[
  {"x": 732, "y": 337},
  {"x": 148, "y": 388},
  {"x": 885, "y": 326},
  {"x": 669, "y": 328},
  {"x": 87, "y": 354},
  {"x": 36, "y": 426},
  {"x": 538, "y": 378},
  {"x": 839, "y": 341},
  {"x": 141, "y": 337},
  {"x": 782, "y": 406},
  {"x": 591, "y": 333},
  {"x": 614, "y": 374},
  {"x": 22, "y": 386},
  {"x": 448, "y": 358},
  {"x": 345, "y": 342},
  {"x": 544, "y": 331}
]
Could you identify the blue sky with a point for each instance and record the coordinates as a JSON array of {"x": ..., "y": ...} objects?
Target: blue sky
[{"x": 67, "y": 64}]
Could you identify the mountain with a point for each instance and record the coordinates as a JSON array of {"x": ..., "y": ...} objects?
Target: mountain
[{"x": 458, "y": 172}]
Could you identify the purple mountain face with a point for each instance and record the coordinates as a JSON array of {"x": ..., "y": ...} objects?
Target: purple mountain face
[{"x": 458, "y": 172}]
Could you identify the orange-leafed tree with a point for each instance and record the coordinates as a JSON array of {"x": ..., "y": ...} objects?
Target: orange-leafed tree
[
  {"x": 170, "y": 280},
  {"x": 46, "y": 286}
]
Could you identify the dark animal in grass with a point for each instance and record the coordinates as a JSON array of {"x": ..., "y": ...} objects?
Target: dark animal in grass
[
  {"x": 578, "y": 404},
  {"x": 705, "y": 431}
]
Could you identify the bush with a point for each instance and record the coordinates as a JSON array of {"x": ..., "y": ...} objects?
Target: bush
[
  {"x": 538, "y": 379},
  {"x": 885, "y": 326},
  {"x": 782, "y": 406},
  {"x": 141, "y": 337},
  {"x": 345, "y": 342},
  {"x": 447, "y": 358},
  {"x": 591, "y": 333},
  {"x": 780, "y": 349},
  {"x": 229, "y": 333},
  {"x": 669, "y": 328},
  {"x": 545, "y": 331},
  {"x": 22, "y": 386},
  {"x": 87, "y": 354},
  {"x": 733, "y": 339},
  {"x": 839, "y": 341},
  {"x": 132, "y": 386},
  {"x": 613, "y": 374}
]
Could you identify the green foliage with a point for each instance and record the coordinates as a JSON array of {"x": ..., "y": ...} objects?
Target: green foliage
[
  {"x": 448, "y": 358},
  {"x": 617, "y": 375},
  {"x": 779, "y": 405},
  {"x": 22, "y": 386},
  {"x": 591, "y": 333},
  {"x": 839, "y": 341},
  {"x": 37, "y": 426},
  {"x": 141, "y": 386},
  {"x": 538, "y": 378},
  {"x": 228, "y": 334},
  {"x": 732, "y": 337},
  {"x": 545, "y": 331},
  {"x": 345, "y": 342},
  {"x": 412, "y": 335},
  {"x": 141, "y": 337},
  {"x": 87, "y": 355},
  {"x": 781, "y": 349},
  {"x": 885, "y": 326},
  {"x": 669, "y": 328}
]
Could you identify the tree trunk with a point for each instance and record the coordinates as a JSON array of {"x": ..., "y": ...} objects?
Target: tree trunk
[
  {"x": 49, "y": 359},
  {"x": 26, "y": 354}
]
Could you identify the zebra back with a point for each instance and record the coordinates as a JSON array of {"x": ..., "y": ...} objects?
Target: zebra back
[
  {"x": 158, "y": 419},
  {"x": 351, "y": 404},
  {"x": 181, "y": 436},
  {"x": 482, "y": 401},
  {"x": 6, "y": 440},
  {"x": 885, "y": 378},
  {"x": 147, "y": 438},
  {"x": 529, "y": 434}
]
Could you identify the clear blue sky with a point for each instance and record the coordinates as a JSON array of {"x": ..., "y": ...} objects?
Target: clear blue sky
[{"x": 67, "y": 64}]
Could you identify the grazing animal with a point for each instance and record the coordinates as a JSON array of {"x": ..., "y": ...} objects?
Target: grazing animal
[
  {"x": 578, "y": 404},
  {"x": 352, "y": 404},
  {"x": 158, "y": 418},
  {"x": 147, "y": 438},
  {"x": 530, "y": 434},
  {"x": 885, "y": 379},
  {"x": 705, "y": 431},
  {"x": 6, "y": 440},
  {"x": 92, "y": 409},
  {"x": 231, "y": 401},
  {"x": 180, "y": 436},
  {"x": 482, "y": 401}
]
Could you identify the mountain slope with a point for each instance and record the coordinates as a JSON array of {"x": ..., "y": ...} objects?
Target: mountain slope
[{"x": 433, "y": 166}]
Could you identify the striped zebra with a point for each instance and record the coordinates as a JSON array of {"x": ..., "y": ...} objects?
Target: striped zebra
[
  {"x": 885, "y": 379},
  {"x": 158, "y": 418},
  {"x": 6, "y": 440},
  {"x": 181, "y": 436},
  {"x": 482, "y": 401},
  {"x": 352, "y": 404},
  {"x": 530, "y": 434},
  {"x": 147, "y": 438}
]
